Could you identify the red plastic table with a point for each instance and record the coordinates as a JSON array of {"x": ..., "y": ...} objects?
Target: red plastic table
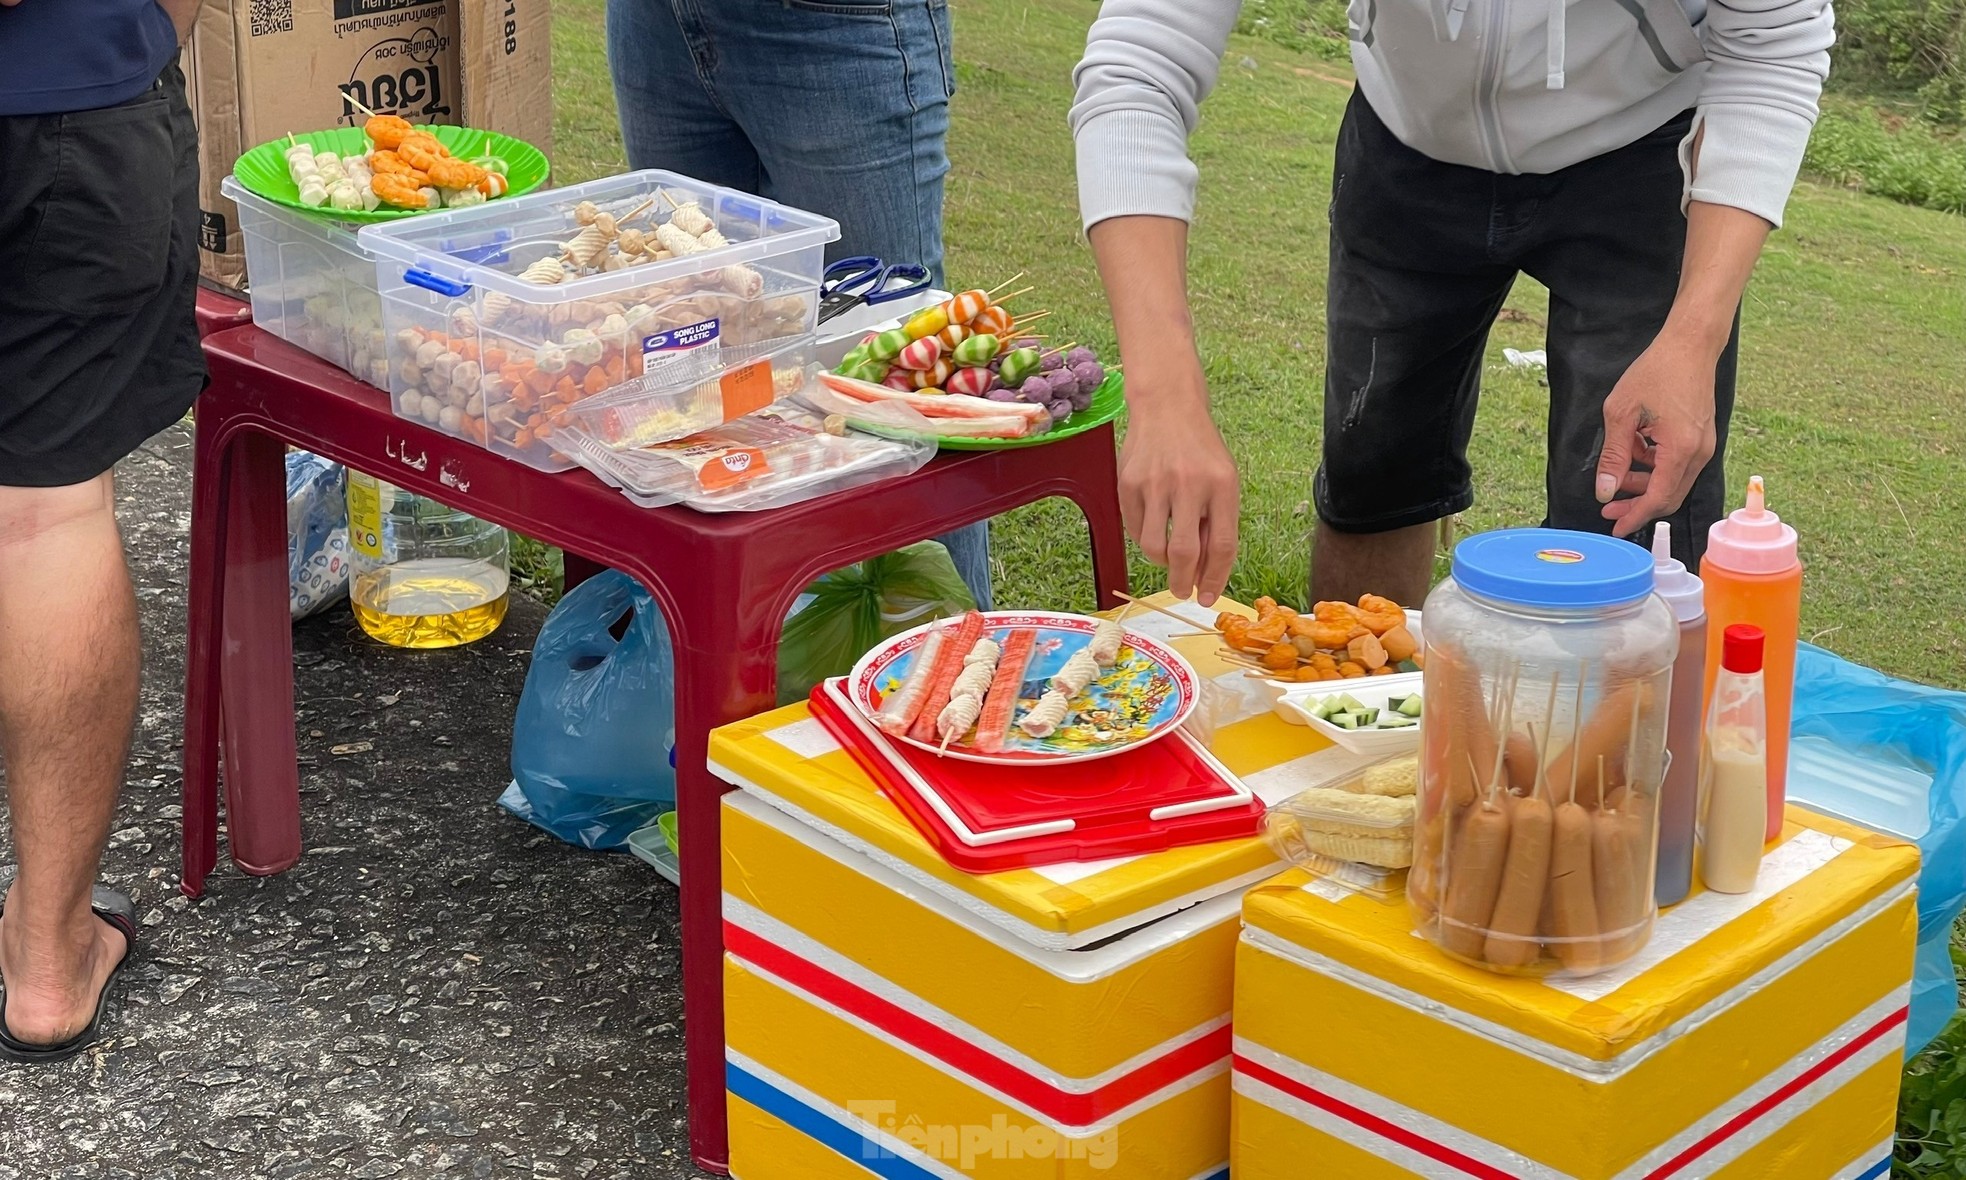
[{"x": 723, "y": 582}]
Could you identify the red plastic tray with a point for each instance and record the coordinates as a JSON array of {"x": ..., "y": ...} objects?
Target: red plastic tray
[{"x": 984, "y": 818}]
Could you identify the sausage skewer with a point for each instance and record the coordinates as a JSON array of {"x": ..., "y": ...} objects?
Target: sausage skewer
[
  {"x": 1572, "y": 904},
  {"x": 1511, "y": 929},
  {"x": 1475, "y": 875}
]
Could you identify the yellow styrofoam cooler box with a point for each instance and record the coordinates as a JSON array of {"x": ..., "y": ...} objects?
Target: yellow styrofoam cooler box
[
  {"x": 889, "y": 1015},
  {"x": 1756, "y": 1037}
]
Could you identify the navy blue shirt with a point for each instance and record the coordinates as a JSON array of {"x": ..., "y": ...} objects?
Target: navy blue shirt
[{"x": 58, "y": 56}]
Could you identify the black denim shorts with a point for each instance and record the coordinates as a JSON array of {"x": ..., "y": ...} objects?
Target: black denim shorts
[
  {"x": 1423, "y": 254},
  {"x": 99, "y": 249}
]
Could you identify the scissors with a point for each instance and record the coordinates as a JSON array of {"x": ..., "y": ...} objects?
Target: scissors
[{"x": 866, "y": 279}]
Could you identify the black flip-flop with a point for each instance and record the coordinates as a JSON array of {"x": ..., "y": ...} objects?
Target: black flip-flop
[{"x": 118, "y": 910}]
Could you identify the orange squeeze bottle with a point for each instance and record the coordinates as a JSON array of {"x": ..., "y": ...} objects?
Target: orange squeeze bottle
[{"x": 1753, "y": 575}]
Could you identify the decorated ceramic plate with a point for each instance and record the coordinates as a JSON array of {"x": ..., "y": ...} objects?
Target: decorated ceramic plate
[{"x": 1142, "y": 698}]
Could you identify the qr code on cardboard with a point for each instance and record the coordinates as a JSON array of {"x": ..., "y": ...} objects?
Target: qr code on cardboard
[{"x": 272, "y": 16}]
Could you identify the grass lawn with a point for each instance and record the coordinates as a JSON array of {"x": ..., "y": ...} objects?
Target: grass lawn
[{"x": 1854, "y": 356}]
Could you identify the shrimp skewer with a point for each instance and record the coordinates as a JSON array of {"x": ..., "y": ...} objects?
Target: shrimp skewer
[{"x": 386, "y": 131}]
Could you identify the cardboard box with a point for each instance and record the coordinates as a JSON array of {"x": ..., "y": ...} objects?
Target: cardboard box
[{"x": 262, "y": 68}]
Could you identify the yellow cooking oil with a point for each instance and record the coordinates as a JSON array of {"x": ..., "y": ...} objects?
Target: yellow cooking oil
[
  {"x": 434, "y": 603},
  {"x": 423, "y": 575}
]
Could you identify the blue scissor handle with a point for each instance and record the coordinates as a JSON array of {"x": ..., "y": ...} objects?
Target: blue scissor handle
[
  {"x": 849, "y": 275},
  {"x": 913, "y": 278}
]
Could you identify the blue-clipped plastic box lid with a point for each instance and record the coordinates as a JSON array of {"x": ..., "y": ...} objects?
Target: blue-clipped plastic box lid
[{"x": 1553, "y": 568}]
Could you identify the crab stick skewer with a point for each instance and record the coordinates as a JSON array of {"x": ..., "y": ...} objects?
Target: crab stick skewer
[
  {"x": 948, "y": 665},
  {"x": 1006, "y": 683}
]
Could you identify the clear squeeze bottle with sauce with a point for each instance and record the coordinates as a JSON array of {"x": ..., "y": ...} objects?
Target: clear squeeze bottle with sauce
[
  {"x": 1733, "y": 768},
  {"x": 1679, "y": 799},
  {"x": 424, "y": 575},
  {"x": 1753, "y": 575}
]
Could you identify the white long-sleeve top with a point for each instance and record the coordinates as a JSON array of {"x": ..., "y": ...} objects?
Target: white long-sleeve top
[{"x": 1506, "y": 85}]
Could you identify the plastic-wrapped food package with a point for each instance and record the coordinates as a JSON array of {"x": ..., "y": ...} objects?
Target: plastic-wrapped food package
[
  {"x": 317, "y": 534},
  {"x": 768, "y": 459}
]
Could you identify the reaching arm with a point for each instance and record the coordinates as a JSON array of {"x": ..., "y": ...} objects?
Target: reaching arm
[
  {"x": 1147, "y": 66},
  {"x": 1768, "y": 59},
  {"x": 1179, "y": 491},
  {"x": 1661, "y": 414}
]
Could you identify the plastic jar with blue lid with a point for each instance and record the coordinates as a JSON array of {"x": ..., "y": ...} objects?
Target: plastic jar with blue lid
[{"x": 1548, "y": 666}]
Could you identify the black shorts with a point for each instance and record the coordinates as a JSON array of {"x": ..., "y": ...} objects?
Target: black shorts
[
  {"x": 99, "y": 249},
  {"x": 1423, "y": 254}
]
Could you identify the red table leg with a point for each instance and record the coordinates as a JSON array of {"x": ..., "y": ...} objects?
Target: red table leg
[
  {"x": 256, "y": 663},
  {"x": 204, "y": 606},
  {"x": 726, "y": 642},
  {"x": 1097, "y": 496}
]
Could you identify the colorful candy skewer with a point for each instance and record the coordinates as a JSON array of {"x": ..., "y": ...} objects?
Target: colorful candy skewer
[
  {"x": 931, "y": 378},
  {"x": 920, "y": 355},
  {"x": 973, "y": 381}
]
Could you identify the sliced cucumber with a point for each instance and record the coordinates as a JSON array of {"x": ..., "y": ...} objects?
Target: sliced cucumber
[
  {"x": 1349, "y": 703},
  {"x": 1410, "y": 707},
  {"x": 1396, "y": 721},
  {"x": 1408, "y": 666},
  {"x": 1365, "y": 716},
  {"x": 1344, "y": 720},
  {"x": 1326, "y": 708}
]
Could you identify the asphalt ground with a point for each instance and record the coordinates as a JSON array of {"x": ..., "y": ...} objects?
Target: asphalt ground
[{"x": 435, "y": 990}]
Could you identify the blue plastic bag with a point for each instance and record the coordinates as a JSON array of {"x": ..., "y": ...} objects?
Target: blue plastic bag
[
  {"x": 594, "y": 740},
  {"x": 1861, "y": 709}
]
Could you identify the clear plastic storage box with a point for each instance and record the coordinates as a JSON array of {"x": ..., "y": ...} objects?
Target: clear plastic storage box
[
  {"x": 312, "y": 284},
  {"x": 503, "y": 318}
]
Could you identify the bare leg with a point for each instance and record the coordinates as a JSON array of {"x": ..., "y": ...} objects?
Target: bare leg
[
  {"x": 69, "y": 656},
  {"x": 1397, "y": 565}
]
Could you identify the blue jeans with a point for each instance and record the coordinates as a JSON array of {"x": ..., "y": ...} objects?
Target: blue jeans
[{"x": 837, "y": 106}]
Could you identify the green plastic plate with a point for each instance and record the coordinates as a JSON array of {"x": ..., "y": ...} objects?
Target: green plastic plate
[
  {"x": 264, "y": 169},
  {"x": 1107, "y": 402}
]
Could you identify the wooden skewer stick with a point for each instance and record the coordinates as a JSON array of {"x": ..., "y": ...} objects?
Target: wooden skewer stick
[
  {"x": 357, "y": 104},
  {"x": 637, "y": 211},
  {"x": 1007, "y": 282},
  {"x": 1172, "y": 614},
  {"x": 1015, "y": 294},
  {"x": 1061, "y": 348},
  {"x": 1033, "y": 318}
]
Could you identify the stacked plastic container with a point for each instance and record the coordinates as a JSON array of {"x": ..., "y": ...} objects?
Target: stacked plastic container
[
  {"x": 626, "y": 352},
  {"x": 313, "y": 284}
]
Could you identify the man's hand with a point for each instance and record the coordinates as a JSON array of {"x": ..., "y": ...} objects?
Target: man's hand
[
  {"x": 1659, "y": 419},
  {"x": 1181, "y": 498},
  {"x": 1658, "y": 433}
]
